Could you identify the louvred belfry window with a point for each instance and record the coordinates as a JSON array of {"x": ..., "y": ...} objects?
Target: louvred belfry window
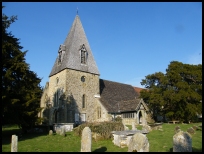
[{"x": 83, "y": 54}]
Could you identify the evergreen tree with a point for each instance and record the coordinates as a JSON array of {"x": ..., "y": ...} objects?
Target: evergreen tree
[
  {"x": 176, "y": 94},
  {"x": 21, "y": 91}
]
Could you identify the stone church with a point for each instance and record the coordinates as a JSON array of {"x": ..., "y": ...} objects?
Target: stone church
[{"x": 76, "y": 94}]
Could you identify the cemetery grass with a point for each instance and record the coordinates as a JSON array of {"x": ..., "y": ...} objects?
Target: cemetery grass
[{"x": 159, "y": 141}]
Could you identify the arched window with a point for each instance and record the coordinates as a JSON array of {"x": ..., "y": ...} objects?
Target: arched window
[
  {"x": 83, "y": 101},
  {"x": 56, "y": 98}
]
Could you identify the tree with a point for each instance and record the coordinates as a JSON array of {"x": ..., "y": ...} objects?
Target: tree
[
  {"x": 21, "y": 91},
  {"x": 176, "y": 94}
]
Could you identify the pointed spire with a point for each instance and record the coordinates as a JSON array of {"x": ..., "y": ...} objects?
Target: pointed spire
[
  {"x": 77, "y": 10},
  {"x": 71, "y": 56}
]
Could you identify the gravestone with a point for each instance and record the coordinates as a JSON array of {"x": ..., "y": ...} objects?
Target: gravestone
[
  {"x": 195, "y": 127},
  {"x": 133, "y": 126},
  {"x": 146, "y": 128},
  {"x": 62, "y": 131},
  {"x": 50, "y": 132},
  {"x": 182, "y": 142},
  {"x": 14, "y": 143},
  {"x": 191, "y": 130},
  {"x": 138, "y": 143},
  {"x": 177, "y": 129},
  {"x": 86, "y": 140},
  {"x": 144, "y": 122},
  {"x": 125, "y": 127}
]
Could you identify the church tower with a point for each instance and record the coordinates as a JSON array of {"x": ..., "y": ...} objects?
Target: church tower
[{"x": 73, "y": 80}]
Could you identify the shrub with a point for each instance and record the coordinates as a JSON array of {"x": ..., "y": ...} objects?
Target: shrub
[
  {"x": 102, "y": 128},
  {"x": 118, "y": 119}
]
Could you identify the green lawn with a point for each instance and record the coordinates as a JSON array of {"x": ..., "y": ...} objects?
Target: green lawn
[{"x": 160, "y": 141}]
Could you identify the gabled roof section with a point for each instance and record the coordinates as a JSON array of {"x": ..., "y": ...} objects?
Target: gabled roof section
[
  {"x": 138, "y": 89},
  {"x": 118, "y": 97},
  {"x": 71, "y": 57},
  {"x": 141, "y": 102}
]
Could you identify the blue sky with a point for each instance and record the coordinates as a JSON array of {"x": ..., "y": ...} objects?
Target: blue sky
[{"x": 128, "y": 40}]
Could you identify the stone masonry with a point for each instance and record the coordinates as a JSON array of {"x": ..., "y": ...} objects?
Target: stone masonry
[{"x": 70, "y": 84}]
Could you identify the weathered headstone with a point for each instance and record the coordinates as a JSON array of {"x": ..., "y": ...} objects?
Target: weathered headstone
[
  {"x": 86, "y": 140},
  {"x": 125, "y": 127},
  {"x": 144, "y": 122},
  {"x": 177, "y": 129},
  {"x": 14, "y": 143},
  {"x": 133, "y": 126},
  {"x": 191, "y": 130},
  {"x": 182, "y": 142},
  {"x": 138, "y": 143},
  {"x": 195, "y": 127},
  {"x": 146, "y": 128},
  {"x": 62, "y": 131},
  {"x": 50, "y": 132}
]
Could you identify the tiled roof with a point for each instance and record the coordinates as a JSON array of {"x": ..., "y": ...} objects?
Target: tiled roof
[
  {"x": 71, "y": 57},
  {"x": 118, "y": 96},
  {"x": 137, "y": 89}
]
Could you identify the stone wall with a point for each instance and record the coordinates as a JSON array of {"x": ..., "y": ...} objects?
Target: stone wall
[
  {"x": 77, "y": 88},
  {"x": 70, "y": 85},
  {"x": 65, "y": 91}
]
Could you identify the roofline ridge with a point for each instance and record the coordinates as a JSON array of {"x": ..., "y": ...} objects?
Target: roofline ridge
[{"x": 117, "y": 82}]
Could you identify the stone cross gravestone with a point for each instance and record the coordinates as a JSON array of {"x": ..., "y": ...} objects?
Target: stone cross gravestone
[
  {"x": 138, "y": 143},
  {"x": 86, "y": 140},
  {"x": 14, "y": 143},
  {"x": 182, "y": 142}
]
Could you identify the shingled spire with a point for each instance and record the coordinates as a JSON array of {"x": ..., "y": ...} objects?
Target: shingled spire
[{"x": 75, "y": 53}]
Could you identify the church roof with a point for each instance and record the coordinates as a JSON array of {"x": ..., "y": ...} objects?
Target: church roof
[
  {"x": 118, "y": 97},
  {"x": 137, "y": 89},
  {"x": 71, "y": 56}
]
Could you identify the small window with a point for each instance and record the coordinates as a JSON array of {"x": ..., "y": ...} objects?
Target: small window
[
  {"x": 57, "y": 81},
  {"x": 83, "y": 101},
  {"x": 99, "y": 112},
  {"x": 83, "y": 78}
]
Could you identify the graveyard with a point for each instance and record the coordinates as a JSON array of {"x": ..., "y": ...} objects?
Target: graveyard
[{"x": 162, "y": 139}]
